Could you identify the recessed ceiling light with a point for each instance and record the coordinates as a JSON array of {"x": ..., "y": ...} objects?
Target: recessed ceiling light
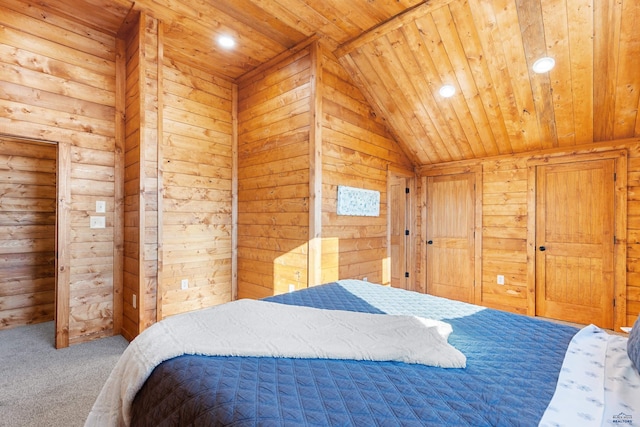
[
  {"x": 447, "y": 91},
  {"x": 226, "y": 42},
  {"x": 543, "y": 65}
]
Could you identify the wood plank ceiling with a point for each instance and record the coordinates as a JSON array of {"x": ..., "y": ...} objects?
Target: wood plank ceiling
[{"x": 401, "y": 52}]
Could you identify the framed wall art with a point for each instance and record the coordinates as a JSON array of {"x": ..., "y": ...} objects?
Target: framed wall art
[{"x": 358, "y": 202}]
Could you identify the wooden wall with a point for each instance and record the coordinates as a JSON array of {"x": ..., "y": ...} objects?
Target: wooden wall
[
  {"x": 505, "y": 219},
  {"x": 132, "y": 176},
  {"x": 27, "y": 232},
  {"x": 273, "y": 177},
  {"x": 304, "y": 128},
  {"x": 140, "y": 256},
  {"x": 504, "y": 233},
  {"x": 196, "y": 166},
  {"x": 106, "y": 100},
  {"x": 150, "y": 62},
  {"x": 357, "y": 151},
  {"x": 177, "y": 207},
  {"x": 178, "y": 169},
  {"x": 57, "y": 83}
]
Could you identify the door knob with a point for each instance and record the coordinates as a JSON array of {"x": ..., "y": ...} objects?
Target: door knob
[{"x": 542, "y": 249}]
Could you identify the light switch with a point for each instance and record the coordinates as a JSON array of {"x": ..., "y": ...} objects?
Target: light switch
[
  {"x": 101, "y": 206},
  {"x": 97, "y": 222}
]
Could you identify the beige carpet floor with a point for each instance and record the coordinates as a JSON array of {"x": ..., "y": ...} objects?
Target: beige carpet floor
[{"x": 42, "y": 386}]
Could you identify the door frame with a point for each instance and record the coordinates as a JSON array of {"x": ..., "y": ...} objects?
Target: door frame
[
  {"x": 477, "y": 260},
  {"x": 62, "y": 235},
  {"x": 620, "y": 226}
]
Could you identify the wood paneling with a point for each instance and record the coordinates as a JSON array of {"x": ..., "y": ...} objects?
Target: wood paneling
[
  {"x": 118, "y": 208},
  {"x": 486, "y": 50},
  {"x": 304, "y": 124},
  {"x": 196, "y": 167},
  {"x": 262, "y": 29},
  {"x": 504, "y": 232},
  {"x": 150, "y": 87},
  {"x": 357, "y": 151},
  {"x": 57, "y": 83},
  {"x": 314, "y": 266},
  {"x": 304, "y": 129},
  {"x": 399, "y": 53},
  {"x": 178, "y": 173},
  {"x": 27, "y": 232},
  {"x": 274, "y": 117},
  {"x": 132, "y": 177}
]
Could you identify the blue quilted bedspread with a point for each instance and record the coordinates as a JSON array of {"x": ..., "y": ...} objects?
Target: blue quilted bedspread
[{"x": 513, "y": 363}]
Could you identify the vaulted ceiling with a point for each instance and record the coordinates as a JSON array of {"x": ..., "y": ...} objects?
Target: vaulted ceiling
[{"x": 400, "y": 52}]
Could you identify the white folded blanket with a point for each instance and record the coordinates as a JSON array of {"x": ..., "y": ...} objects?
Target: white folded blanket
[{"x": 266, "y": 329}]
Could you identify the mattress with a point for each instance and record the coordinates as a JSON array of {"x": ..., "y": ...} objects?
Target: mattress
[{"x": 513, "y": 363}]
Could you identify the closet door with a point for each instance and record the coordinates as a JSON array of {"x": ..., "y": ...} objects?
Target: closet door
[
  {"x": 402, "y": 230},
  {"x": 450, "y": 236},
  {"x": 575, "y": 222},
  {"x": 399, "y": 209}
]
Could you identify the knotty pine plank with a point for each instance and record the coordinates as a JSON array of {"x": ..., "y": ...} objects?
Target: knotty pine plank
[
  {"x": 67, "y": 62},
  {"x": 415, "y": 127},
  {"x": 606, "y": 47},
  {"x": 480, "y": 136},
  {"x": 75, "y": 34},
  {"x": 422, "y": 75},
  {"x": 507, "y": 19},
  {"x": 486, "y": 24},
  {"x": 416, "y": 155},
  {"x": 534, "y": 45},
  {"x": 495, "y": 135},
  {"x": 628, "y": 79},
  {"x": 443, "y": 73},
  {"x": 557, "y": 46},
  {"x": 580, "y": 19}
]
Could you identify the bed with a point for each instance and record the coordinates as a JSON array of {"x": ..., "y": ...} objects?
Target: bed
[{"x": 512, "y": 365}]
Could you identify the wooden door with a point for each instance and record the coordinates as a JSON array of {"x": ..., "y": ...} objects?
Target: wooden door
[
  {"x": 399, "y": 231},
  {"x": 575, "y": 213},
  {"x": 450, "y": 236}
]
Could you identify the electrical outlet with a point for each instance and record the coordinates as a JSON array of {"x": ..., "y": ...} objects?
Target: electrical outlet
[
  {"x": 101, "y": 206},
  {"x": 500, "y": 279},
  {"x": 184, "y": 284},
  {"x": 292, "y": 288},
  {"x": 97, "y": 222}
]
